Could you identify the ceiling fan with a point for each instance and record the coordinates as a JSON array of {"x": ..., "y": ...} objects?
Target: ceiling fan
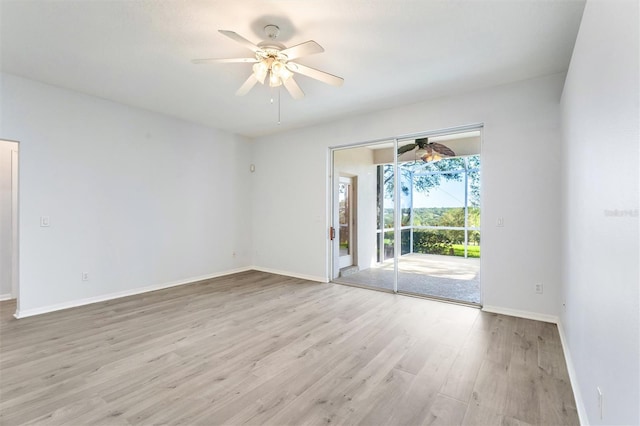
[
  {"x": 427, "y": 151},
  {"x": 274, "y": 60}
]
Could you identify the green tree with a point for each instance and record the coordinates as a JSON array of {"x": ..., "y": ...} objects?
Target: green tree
[
  {"x": 423, "y": 182},
  {"x": 417, "y": 174}
]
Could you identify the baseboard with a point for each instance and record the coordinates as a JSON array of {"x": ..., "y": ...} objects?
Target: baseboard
[
  {"x": 573, "y": 378},
  {"x": 290, "y": 274},
  {"x": 521, "y": 314},
  {"x": 7, "y": 296},
  {"x": 103, "y": 298}
]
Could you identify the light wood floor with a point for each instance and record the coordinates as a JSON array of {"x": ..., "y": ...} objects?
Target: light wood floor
[{"x": 256, "y": 348}]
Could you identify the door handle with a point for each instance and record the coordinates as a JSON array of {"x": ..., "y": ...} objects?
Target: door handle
[{"x": 332, "y": 233}]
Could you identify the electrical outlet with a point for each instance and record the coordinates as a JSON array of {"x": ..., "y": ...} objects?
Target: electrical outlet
[
  {"x": 85, "y": 276},
  {"x": 538, "y": 288},
  {"x": 44, "y": 221},
  {"x": 600, "y": 401}
]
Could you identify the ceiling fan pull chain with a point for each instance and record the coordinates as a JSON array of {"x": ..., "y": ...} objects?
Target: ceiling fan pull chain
[{"x": 279, "y": 106}]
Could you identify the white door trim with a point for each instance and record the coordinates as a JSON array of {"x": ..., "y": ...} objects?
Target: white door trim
[{"x": 14, "y": 222}]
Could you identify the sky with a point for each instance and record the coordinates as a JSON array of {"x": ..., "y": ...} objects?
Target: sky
[{"x": 448, "y": 194}]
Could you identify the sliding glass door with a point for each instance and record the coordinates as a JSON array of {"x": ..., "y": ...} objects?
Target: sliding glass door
[
  {"x": 427, "y": 215},
  {"x": 364, "y": 215}
]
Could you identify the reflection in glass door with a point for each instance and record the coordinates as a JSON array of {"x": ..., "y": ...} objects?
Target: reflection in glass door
[
  {"x": 386, "y": 213},
  {"x": 345, "y": 221}
]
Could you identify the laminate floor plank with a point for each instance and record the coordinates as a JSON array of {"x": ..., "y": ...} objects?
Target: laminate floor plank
[
  {"x": 490, "y": 389},
  {"x": 523, "y": 398},
  {"x": 525, "y": 347},
  {"x": 370, "y": 385},
  {"x": 464, "y": 372},
  {"x": 477, "y": 415},
  {"x": 388, "y": 396},
  {"x": 352, "y": 377},
  {"x": 557, "y": 406},
  {"x": 259, "y": 348},
  {"x": 503, "y": 338},
  {"x": 446, "y": 411},
  {"x": 417, "y": 399},
  {"x": 71, "y": 413}
]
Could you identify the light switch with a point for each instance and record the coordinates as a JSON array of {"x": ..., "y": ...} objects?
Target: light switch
[{"x": 44, "y": 220}]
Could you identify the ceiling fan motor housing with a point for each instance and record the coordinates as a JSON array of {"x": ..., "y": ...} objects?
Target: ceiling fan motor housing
[{"x": 272, "y": 31}]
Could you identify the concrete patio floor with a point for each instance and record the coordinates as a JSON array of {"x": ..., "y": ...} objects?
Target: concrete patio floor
[{"x": 447, "y": 277}]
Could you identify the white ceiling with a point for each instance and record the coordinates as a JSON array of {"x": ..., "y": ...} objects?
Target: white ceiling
[{"x": 390, "y": 53}]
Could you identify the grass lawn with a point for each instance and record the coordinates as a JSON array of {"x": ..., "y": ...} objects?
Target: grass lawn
[{"x": 472, "y": 251}]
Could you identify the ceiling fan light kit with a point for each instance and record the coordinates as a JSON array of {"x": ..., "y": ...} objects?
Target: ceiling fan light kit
[
  {"x": 431, "y": 157},
  {"x": 273, "y": 59},
  {"x": 422, "y": 154}
]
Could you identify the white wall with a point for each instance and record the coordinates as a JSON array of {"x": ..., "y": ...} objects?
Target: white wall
[
  {"x": 136, "y": 199},
  {"x": 520, "y": 183},
  {"x": 359, "y": 162},
  {"x": 601, "y": 277},
  {"x": 6, "y": 214}
]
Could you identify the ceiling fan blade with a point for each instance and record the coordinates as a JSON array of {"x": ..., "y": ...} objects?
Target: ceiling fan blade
[
  {"x": 303, "y": 49},
  {"x": 238, "y": 38},
  {"x": 406, "y": 148},
  {"x": 244, "y": 89},
  {"x": 224, "y": 61},
  {"x": 441, "y": 149},
  {"x": 325, "y": 77},
  {"x": 294, "y": 90}
]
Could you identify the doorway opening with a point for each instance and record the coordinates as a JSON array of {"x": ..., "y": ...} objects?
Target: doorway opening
[
  {"x": 8, "y": 220},
  {"x": 421, "y": 218}
]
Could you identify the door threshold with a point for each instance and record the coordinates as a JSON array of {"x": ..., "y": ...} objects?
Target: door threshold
[
  {"x": 442, "y": 299},
  {"x": 349, "y": 270},
  {"x": 409, "y": 294},
  {"x": 366, "y": 287}
]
